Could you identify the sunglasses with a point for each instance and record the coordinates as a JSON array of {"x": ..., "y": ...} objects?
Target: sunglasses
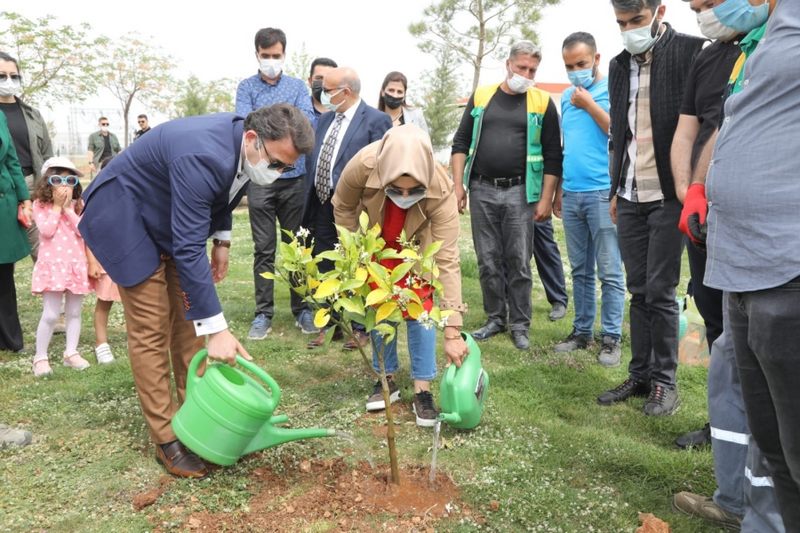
[
  {"x": 104, "y": 123},
  {"x": 56, "y": 180},
  {"x": 14, "y": 77},
  {"x": 275, "y": 164},
  {"x": 141, "y": 122}
]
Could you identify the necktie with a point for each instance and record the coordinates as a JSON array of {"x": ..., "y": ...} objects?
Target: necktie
[{"x": 322, "y": 182}]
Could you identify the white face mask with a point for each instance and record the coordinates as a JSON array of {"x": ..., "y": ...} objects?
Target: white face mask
[
  {"x": 260, "y": 173},
  {"x": 519, "y": 84},
  {"x": 405, "y": 201},
  {"x": 271, "y": 68},
  {"x": 104, "y": 129},
  {"x": 10, "y": 87},
  {"x": 640, "y": 40},
  {"x": 711, "y": 27}
]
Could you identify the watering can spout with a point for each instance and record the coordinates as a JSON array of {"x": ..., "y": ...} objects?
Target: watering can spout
[
  {"x": 450, "y": 418},
  {"x": 273, "y": 436}
]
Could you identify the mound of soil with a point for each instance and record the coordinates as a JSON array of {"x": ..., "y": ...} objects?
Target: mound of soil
[{"x": 333, "y": 496}]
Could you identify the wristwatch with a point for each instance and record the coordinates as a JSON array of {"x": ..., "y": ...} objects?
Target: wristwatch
[{"x": 224, "y": 244}]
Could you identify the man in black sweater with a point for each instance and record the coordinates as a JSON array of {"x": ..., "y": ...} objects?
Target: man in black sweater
[{"x": 646, "y": 83}]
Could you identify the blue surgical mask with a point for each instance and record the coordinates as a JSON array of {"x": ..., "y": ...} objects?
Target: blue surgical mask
[
  {"x": 325, "y": 100},
  {"x": 741, "y": 16},
  {"x": 582, "y": 78},
  {"x": 640, "y": 40}
]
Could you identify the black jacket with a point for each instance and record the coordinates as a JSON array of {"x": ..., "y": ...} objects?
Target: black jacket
[{"x": 673, "y": 55}]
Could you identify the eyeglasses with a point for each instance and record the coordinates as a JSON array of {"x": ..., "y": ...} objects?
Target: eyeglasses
[
  {"x": 56, "y": 180},
  {"x": 14, "y": 77},
  {"x": 104, "y": 123},
  {"x": 275, "y": 164},
  {"x": 400, "y": 191},
  {"x": 142, "y": 121}
]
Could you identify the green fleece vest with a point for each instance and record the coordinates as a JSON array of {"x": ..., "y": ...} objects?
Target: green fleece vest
[{"x": 537, "y": 101}]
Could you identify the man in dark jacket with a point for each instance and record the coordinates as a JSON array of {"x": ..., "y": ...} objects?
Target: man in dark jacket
[{"x": 646, "y": 82}]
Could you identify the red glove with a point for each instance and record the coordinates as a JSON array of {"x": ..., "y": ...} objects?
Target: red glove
[{"x": 696, "y": 204}]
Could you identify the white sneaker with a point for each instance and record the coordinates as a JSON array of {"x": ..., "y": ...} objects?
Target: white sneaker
[
  {"x": 77, "y": 362},
  {"x": 103, "y": 354}
]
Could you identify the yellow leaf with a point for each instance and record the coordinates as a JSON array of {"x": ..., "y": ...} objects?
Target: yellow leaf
[
  {"x": 363, "y": 220},
  {"x": 361, "y": 274},
  {"x": 377, "y": 296},
  {"x": 268, "y": 275},
  {"x": 322, "y": 317},
  {"x": 385, "y": 311},
  {"x": 313, "y": 283},
  {"x": 414, "y": 310},
  {"x": 327, "y": 288}
]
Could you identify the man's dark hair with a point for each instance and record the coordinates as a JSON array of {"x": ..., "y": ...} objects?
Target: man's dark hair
[
  {"x": 279, "y": 121},
  {"x": 266, "y": 37},
  {"x": 634, "y": 6},
  {"x": 5, "y": 57},
  {"x": 323, "y": 61},
  {"x": 580, "y": 37},
  {"x": 142, "y": 116}
]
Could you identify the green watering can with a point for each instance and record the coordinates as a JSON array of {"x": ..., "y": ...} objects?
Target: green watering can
[
  {"x": 462, "y": 392},
  {"x": 228, "y": 414}
]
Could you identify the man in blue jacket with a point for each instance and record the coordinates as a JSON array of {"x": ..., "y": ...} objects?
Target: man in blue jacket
[{"x": 148, "y": 217}]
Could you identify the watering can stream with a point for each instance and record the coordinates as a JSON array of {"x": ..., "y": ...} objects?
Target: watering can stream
[{"x": 228, "y": 414}]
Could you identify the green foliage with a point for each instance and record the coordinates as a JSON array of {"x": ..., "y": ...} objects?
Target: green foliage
[
  {"x": 57, "y": 62},
  {"x": 441, "y": 87},
  {"x": 472, "y": 30},
  {"x": 133, "y": 68},
  {"x": 195, "y": 97},
  {"x": 298, "y": 64}
]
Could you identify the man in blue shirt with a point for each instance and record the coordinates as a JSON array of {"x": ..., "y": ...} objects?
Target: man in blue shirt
[
  {"x": 583, "y": 194},
  {"x": 283, "y": 199}
]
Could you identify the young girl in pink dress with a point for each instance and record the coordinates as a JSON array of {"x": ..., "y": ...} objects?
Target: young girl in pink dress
[
  {"x": 60, "y": 274},
  {"x": 107, "y": 293}
]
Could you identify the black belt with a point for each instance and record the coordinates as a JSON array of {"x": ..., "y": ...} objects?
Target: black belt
[{"x": 501, "y": 183}]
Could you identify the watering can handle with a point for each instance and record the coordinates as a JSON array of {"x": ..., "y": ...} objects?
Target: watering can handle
[{"x": 274, "y": 390}]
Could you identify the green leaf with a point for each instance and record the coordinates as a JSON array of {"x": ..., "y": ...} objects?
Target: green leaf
[
  {"x": 387, "y": 331},
  {"x": 432, "y": 249},
  {"x": 330, "y": 255},
  {"x": 363, "y": 221},
  {"x": 268, "y": 275},
  {"x": 352, "y": 306},
  {"x": 399, "y": 271},
  {"x": 408, "y": 253}
]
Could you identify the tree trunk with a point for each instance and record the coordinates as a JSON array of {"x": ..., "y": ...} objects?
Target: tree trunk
[{"x": 390, "y": 435}]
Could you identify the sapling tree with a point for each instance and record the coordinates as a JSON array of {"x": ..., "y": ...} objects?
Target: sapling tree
[{"x": 360, "y": 289}]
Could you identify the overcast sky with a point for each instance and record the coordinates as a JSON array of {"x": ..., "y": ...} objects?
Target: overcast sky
[{"x": 368, "y": 35}]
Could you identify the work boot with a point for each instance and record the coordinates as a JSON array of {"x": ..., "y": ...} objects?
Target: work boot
[
  {"x": 663, "y": 401},
  {"x": 623, "y": 391},
  {"x": 574, "y": 341},
  {"x": 375, "y": 401},
  {"x": 704, "y": 507},
  {"x": 695, "y": 439}
]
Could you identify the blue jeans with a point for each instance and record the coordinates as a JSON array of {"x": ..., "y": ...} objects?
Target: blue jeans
[
  {"x": 421, "y": 349},
  {"x": 592, "y": 238}
]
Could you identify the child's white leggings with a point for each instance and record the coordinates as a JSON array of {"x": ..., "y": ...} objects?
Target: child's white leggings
[{"x": 72, "y": 320}]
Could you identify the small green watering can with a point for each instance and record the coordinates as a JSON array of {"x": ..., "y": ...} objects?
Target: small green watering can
[
  {"x": 228, "y": 414},
  {"x": 462, "y": 392}
]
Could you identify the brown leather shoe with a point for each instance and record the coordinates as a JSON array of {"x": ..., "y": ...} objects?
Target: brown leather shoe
[
  {"x": 361, "y": 339},
  {"x": 179, "y": 461},
  {"x": 319, "y": 340}
]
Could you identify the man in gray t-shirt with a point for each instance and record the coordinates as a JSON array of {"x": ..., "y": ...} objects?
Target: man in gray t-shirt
[{"x": 754, "y": 246}]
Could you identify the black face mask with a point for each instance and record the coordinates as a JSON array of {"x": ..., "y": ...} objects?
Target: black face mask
[
  {"x": 316, "y": 90},
  {"x": 392, "y": 102}
]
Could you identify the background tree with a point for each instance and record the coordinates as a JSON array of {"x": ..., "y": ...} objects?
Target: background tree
[
  {"x": 57, "y": 62},
  {"x": 475, "y": 29},
  {"x": 196, "y": 97},
  {"x": 298, "y": 64},
  {"x": 135, "y": 69},
  {"x": 441, "y": 87}
]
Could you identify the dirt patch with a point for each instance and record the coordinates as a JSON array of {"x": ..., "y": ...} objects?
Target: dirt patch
[
  {"x": 149, "y": 497},
  {"x": 330, "y": 495},
  {"x": 376, "y": 420}
]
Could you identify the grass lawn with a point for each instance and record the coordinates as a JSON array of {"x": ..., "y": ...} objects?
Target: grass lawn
[{"x": 546, "y": 457}]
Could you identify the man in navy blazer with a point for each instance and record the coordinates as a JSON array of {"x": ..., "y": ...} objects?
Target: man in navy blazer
[
  {"x": 350, "y": 125},
  {"x": 147, "y": 219}
]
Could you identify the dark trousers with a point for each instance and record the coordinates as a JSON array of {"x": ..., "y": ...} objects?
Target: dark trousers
[
  {"x": 282, "y": 200},
  {"x": 651, "y": 246},
  {"x": 548, "y": 263},
  {"x": 765, "y": 326},
  {"x": 708, "y": 300},
  {"x": 10, "y": 329},
  {"x": 501, "y": 226}
]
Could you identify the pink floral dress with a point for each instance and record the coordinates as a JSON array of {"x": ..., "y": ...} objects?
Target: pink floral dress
[{"x": 62, "y": 262}]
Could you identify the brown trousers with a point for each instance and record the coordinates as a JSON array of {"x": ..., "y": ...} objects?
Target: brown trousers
[{"x": 158, "y": 334}]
